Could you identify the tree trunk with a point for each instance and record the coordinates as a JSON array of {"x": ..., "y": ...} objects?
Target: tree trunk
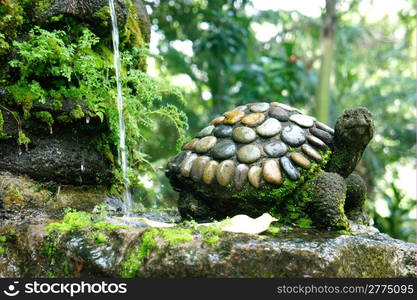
[{"x": 328, "y": 41}]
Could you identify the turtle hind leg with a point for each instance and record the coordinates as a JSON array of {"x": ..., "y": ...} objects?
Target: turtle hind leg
[
  {"x": 193, "y": 208},
  {"x": 328, "y": 193},
  {"x": 355, "y": 199}
]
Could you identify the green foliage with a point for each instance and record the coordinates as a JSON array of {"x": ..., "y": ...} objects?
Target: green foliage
[
  {"x": 398, "y": 222},
  {"x": 62, "y": 65}
]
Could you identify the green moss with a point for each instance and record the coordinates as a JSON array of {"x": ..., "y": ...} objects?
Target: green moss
[
  {"x": 23, "y": 140},
  {"x": 176, "y": 235},
  {"x": 46, "y": 118},
  {"x": 99, "y": 237},
  {"x": 3, "y": 240},
  {"x": 106, "y": 226},
  {"x": 71, "y": 221},
  {"x": 274, "y": 229},
  {"x": 135, "y": 258},
  {"x": 77, "y": 112}
]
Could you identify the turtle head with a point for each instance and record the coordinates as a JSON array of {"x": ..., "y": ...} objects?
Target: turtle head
[{"x": 353, "y": 132}]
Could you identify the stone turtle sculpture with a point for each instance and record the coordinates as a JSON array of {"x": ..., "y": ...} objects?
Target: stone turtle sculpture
[{"x": 269, "y": 157}]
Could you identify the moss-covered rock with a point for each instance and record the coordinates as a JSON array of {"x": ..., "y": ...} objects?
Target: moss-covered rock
[{"x": 184, "y": 252}]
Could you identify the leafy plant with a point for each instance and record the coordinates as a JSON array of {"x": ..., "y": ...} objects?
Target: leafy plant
[{"x": 62, "y": 65}]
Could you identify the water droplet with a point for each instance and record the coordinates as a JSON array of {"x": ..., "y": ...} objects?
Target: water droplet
[
  {"x": 87, "y": 120},
  {"x": 82, "y": 168}
]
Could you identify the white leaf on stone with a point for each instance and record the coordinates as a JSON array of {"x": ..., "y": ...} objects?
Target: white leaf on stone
[{"x": 246, "y": 224}]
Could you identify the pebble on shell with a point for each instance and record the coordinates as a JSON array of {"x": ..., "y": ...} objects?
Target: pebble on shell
[
  {"x": 233, "y": 117},
  {"x": 187, "y": 164},
  {"x": 269, "y": 128},
  {"x": 317, "y": 142},
  {"x": 248, "y": 154},
  {"x": 210, "y": 171},
  {"x": 225, "y": 172},
  {"x": 323, "y": 135},
  {"x": 255, "y": 176},
  {"x": 217, "y": 121},
  {"x": 259, "y": 107},
  {"x": 206, "y": 131},
  {"x": 190, "y": 145},
  {"x": 223, "y": 131},
  {"x": 289, "y": 168},
  {"x": 310, "y": 151},
  {"x": 205, "y": 144},
  {"x": 300, "y": 160},
  {"x": 241, "y": 176},
  {"x": 271, "y": 172},
  {"x": 302, "y": 120},
  {"x": 244, "y": 134},
  {"x": 275, "y": 148},
  {"x": 224, "y": 149},
  {"x": 293, "y": 135},
  {"x": 253, "y": 119},
  {"x": 198, "y": 168}
]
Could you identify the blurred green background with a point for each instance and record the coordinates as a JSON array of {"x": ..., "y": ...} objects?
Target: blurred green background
[{"x": 317, "y": 55}]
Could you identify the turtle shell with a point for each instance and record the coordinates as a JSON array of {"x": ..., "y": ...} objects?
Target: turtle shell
[{"x": 257, "y": 144}]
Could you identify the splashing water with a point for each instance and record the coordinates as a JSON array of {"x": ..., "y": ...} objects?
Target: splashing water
[{"x": 127, "y": 197}]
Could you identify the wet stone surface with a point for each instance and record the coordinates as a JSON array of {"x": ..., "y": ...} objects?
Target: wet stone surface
[
  {"x": 205, "y": 144},
  {"x": 279, "y": 113},
  {"x": 323, "y": 135},
  {"x": 259, "y": 107}
]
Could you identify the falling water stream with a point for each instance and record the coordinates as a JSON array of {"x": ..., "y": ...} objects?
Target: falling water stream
[{"x": 127, "y": 197}]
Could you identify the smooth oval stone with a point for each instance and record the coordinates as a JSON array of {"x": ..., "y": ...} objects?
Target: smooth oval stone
[
  {"x": 190, "y": 145},
  {"x": 300, "y": 160},
  {"x": 323, "y": 135},
  {"x": 248, "y": 154},
  {"x": 310, "y": 151},
  {"x": 289, "y": 168},
  {"x": 259, "y": 107},
  {"x": 206, "y": 131},
  {"x": 325, "y": 127},
  {"x": 176, "y": 162},
  {"x": 302, "y": 120},
  {"x": 317, "y": 142},
  {"x": 275, "y": 148},
  {"x": 233, "y": 117},
  {"x": 293, "y": 135},
  {"x": 217, "y": 120},
  {"x": 253, "y": 119},
  {"x": 254, "y": 176},
  {"x": 279, "y": 113},
  {"x": 205, "y": 144},
  {"x": 225, "y": 172},
  {"x": 222, "y": 131},
  {"x": 269, "y": 128},
  {"x": 241, "y": 176},
  {"x": 187, "y": 164},
  {"x": 286, "y": 107},
  {"x": 271, "y": 172},
  {"x": 241, "y": 108},
  {"x": 210, "y": 171},
  {"x": 198, "y": 168},
  {"x": 224, "y": 149},
  {"x": 244, "y": 134}
]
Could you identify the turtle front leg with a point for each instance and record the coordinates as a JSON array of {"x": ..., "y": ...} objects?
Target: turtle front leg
[
  {"x": 193, "y": 208},
  {"x": 355, "y": 200},
  {"x": 328, "y": 193}
]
